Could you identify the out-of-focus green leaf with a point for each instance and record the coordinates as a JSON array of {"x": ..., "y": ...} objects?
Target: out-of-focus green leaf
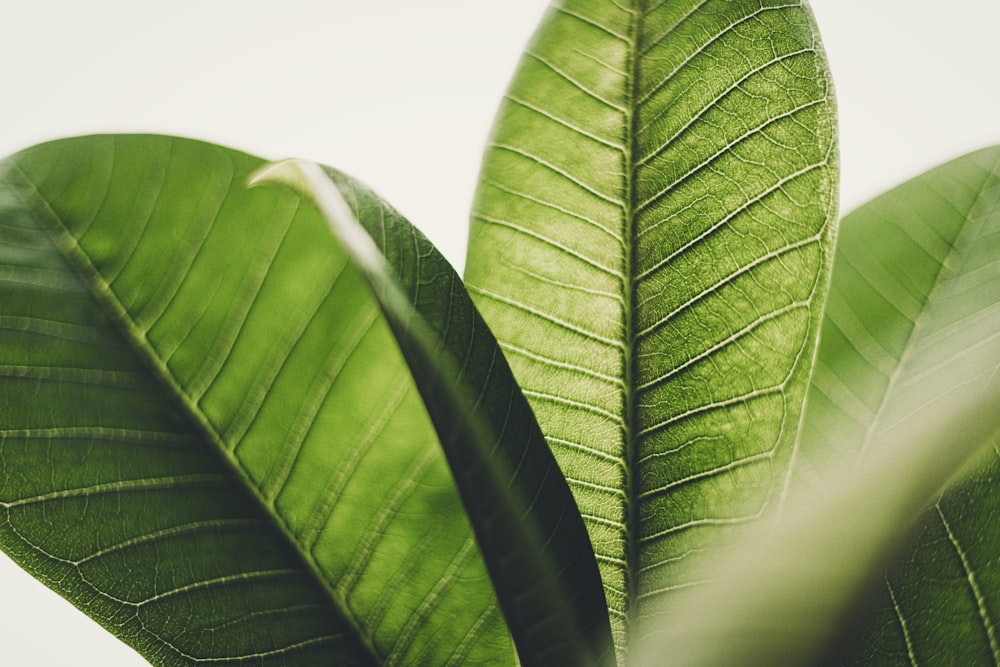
[
  {"x": 531, "y": 535},
  {"x": 916, "y": 296},
  {"x": 209, "y": 440},
  {"x": 792, "y": 595},
  {"x": 650, "y": 243}
]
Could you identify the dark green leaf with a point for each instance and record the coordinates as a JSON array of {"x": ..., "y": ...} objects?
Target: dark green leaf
[
  {"x": 531, "y": 534},
  {"x": 209, "y": 439}
]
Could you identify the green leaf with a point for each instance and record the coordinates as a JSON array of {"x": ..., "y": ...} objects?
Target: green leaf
[
  {"x": 532, "y": 536},
  {"x": 650, "y": 243},
  {"x": 912, "y": 320},
  {"x": 792, "y": 595},
  {"x": 906, "y": 387},
  {"x": 209, "y": 439}
]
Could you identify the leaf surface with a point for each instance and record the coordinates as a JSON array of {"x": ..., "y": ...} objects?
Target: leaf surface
[
  {"x": 914, "y": 319},
  {"x": 912, "y": 332},
  {"x": 650, "y": 243},
  {"x": 531, "y": 535},
  {"x": 210, "y": 441},
  {"x": 794, "y": 593}
]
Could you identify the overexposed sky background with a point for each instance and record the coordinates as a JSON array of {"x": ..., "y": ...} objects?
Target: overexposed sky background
[{"x": 402, "y": 94}]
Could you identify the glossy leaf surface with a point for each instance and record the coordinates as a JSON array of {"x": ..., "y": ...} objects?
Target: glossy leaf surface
[
  {"x": 200, "y": 401},
  {"x": 914, "y": 319},
  {"x": 650, "y": 243},
  {"x": 531, "y": 535}
]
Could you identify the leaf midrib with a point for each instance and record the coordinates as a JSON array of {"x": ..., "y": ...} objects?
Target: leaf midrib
[
  {"x": 69, "y": 247},
  {"x": 629, "y": 279}
]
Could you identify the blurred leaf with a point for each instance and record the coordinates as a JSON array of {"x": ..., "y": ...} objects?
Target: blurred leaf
[
  {"x": 650, "y": 243},
  {"x": 916, "y": 293},
  {"x": 790, "y": 596},
  {"x": 210, "y": 441}
]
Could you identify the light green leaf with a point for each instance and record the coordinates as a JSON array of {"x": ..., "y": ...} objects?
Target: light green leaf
[
  {"x": 531, "y": 535},
  {"x": 913, "y": 319},
  {"x": 793, "y": 595},
  {"x": 650, "y": 243},
  {"x": 912, "y": 335},
  {"x": 209, "y": 439}
]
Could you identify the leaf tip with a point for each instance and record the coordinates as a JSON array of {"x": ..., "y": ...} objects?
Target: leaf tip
[
  {"x": 309, "y": 180},
  {"x": 288, "y": 172}
]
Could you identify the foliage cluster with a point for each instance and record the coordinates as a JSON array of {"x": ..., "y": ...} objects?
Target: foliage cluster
[{"x": 232, "y": 436}]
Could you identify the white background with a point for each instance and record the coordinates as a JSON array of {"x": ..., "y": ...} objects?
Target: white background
[{"x": 401, "y": 94}]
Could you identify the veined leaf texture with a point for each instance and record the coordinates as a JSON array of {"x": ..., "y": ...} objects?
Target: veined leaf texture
[
  {"x": 201, "y": 401},
  {"x": 651, "y": 243}
]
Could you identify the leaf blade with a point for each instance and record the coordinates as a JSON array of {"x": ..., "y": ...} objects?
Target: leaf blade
[
  {"x": 656, "y": 205},
  {"x": 243, "y": 366},
  {"x": 791, "y": 595},
  {"x": 526, "y": 522},
  {"x": 888, "y": 555},
  {"x": 914, "y": 297}
]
